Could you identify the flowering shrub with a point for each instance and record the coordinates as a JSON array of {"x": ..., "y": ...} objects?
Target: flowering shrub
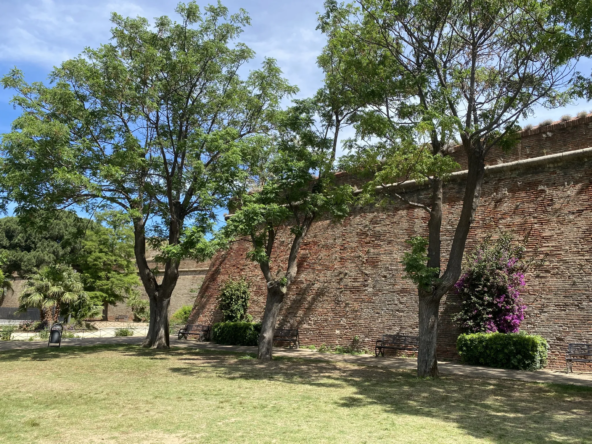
[{"x": 490, "y": 288}]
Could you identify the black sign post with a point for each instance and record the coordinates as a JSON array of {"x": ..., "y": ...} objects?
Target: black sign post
[{"x": 55, "y": 335}]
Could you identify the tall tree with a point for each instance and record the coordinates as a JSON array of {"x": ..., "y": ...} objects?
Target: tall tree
[
  {"x": 106, "y": 261},
  {"x": 43, "y": 239},
  {"x": 285, "y": 200},
  {"x": 156, "y": 123},
  {"x": 576, "y": 15},
  {"x": 452, "y": 71}
]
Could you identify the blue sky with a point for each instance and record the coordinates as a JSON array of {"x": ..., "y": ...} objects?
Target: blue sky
[{"x": 40, "y": 34}]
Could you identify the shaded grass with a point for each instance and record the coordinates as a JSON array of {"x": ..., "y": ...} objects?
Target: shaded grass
[{"x": 128, "y": 394}]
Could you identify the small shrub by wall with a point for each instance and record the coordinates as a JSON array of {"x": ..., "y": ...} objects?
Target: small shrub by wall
[
  {"x": 503, "y": 350},
  {"x": 6, "y": 332},
  {"x": 181, "y": 316},
  {"x": 124, "y": 332},
  {"x": 236, "y": 333},
  {"x": 233, "y": 301},
  {"x": 491, "y": 286}
]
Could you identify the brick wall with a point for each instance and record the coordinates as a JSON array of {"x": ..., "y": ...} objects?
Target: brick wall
[
  {"x": 350, "y": 280},
  {"x": 188, "y": 285}
]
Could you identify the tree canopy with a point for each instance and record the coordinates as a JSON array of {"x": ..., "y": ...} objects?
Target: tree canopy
[
  {"x": 286, "y": 199},
  {"x": 157, "y": 123},
  {"x": 437, "y": 74},
  {"x": 57, "y": 290},
  {"x": 106, "y": 261},
  {"x": 43, "y": 240}
]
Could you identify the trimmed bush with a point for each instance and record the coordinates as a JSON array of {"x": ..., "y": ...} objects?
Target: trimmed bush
[
  {"x": 236, "y": 333},
  {"x": 503, "y": 350}
]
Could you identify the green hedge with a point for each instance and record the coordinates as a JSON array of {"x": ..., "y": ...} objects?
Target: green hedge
[
  {"x": 236, "y": 333},
  {"x": 503, "y": 350}
]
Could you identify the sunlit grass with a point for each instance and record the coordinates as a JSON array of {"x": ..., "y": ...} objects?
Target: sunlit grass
[{"x": 130, "y": 395}]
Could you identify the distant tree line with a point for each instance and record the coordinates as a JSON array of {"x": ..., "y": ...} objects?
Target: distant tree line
[{"x": 73, "y": 266}]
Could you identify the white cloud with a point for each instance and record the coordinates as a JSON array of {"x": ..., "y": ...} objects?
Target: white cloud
[
  {"x": 39, "y": 34},
  {"x": 44, "y": 33},
  {"x": 47, "y": 32}
]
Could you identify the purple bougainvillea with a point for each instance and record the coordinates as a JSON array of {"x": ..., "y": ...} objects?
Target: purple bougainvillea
[{"x": 490, "y": 288}]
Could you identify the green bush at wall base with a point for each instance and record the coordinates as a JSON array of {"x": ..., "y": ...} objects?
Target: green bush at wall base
[
  {"x": 503, "y": 350},
  {"x": 124, "y": 332},
  {"x": 236, "y": 333},
  {"x": 181, "y": 316},
  {"x": 6, "y": 333}
]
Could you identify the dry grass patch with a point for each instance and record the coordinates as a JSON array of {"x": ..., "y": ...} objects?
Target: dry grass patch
[{"x": 123, "y": 394}]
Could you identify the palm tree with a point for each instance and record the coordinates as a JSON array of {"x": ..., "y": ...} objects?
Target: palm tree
[{"x": 52, "y": 289}]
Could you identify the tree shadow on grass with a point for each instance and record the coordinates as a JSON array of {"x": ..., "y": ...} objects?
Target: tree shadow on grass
[
  {"x": 499, "y": 411},
  {"x": 53, "y": 353}
]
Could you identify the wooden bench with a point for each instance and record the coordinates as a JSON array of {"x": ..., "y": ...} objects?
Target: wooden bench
[
  {"x": 289, "y": 335},
  {"x": 202, "y": 332},
  {"x": 578, "y": 353},
  {"x": 396, "y": 342},
  {"x": 121, "y": 318}
]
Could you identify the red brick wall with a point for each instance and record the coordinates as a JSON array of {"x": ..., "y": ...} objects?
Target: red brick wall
[{"x": 350, "y": 279}]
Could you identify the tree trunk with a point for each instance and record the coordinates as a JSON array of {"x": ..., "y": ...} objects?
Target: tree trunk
[
  {"x": 158, "y": 294},
  {"x": 105, "y": 311},
  {"x": 275, "y": 298},
  {"x": 429, "y": 301},
  {"x": 56, "y": 313},
  {"x": 277, "y": 291},
  {"x": 427, "y": 364},
  {"x": 158, "y": 331}
]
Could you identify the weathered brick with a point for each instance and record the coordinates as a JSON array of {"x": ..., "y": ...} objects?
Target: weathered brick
[{"x": 350, "y": 279}]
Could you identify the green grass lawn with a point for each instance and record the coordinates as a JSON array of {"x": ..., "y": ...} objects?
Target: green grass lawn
[{"x": 124, "y": 394}]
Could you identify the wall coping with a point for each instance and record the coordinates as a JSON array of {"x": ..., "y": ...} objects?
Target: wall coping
[{"x": 492, "y": 169}]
